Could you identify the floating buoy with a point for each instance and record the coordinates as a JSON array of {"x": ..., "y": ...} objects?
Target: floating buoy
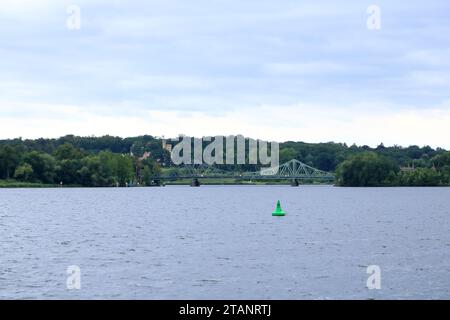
[{"x": 278, "y": 211}]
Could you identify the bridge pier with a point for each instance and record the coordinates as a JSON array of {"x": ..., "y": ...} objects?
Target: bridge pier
[
  {"x": 195, "y": 183},
  {"x": 295, "y": 183}
]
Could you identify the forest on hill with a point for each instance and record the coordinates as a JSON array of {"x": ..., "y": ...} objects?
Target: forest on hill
[{"x": 115, "y": 161}]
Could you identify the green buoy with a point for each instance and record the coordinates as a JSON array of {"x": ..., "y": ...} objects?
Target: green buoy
[{"x": 278, "y": 211}]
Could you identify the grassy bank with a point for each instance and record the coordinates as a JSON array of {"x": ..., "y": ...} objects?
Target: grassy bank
[{"x": 18, "y": 184}]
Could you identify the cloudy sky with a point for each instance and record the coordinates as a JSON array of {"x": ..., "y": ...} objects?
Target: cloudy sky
[{"x": 279, "y": 70}]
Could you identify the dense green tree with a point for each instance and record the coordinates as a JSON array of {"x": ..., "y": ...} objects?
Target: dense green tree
[
  {"x": 366, "y": 170},
  {"x": 325, "y": 161},
  {"x": 420, "y": 177},
  {"x": 67, "y": 171},
  {"x": 287, "y": 154},
  {"x": 44, "y": 166},
  {"x": 24, "y": 172},
  {"x": 147, "y": 176},
  {"x": 442, "y": 160},
  {"x": 9, "y": 160},
  {"x": 67, "y": 151},
  {"x": 124, "y": 169},
  {"x": 98, "y": 170},
  {"x": 150, "y": 170}
]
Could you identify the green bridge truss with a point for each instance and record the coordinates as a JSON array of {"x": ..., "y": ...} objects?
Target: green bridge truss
[{"x": 291, "y": 170}]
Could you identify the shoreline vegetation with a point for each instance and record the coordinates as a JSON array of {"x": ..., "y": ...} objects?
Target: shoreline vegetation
[
  {"x": 108, "y": 161},
  {"x": 14, "y": 184}
]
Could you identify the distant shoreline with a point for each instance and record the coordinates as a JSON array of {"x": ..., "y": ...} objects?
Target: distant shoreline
[{"x": 23, "y": 185}]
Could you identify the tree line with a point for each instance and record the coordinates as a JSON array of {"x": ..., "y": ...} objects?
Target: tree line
[
  {"x": 370, "y": 169},
  {"x": 91, "y": 162},
  {"x": 115, "y": 161}
]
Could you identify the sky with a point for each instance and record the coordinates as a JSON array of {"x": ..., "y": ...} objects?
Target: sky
[{"x": 310, "y": 71}]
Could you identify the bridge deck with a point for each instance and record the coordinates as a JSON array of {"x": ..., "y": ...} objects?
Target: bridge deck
[{"x": 244, "y": 177}]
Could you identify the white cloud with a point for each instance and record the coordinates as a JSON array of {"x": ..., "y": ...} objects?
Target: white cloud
[
  {"x": 430, "y": 78},
  {"x": 164, "y": 67},
  {"x": 361, "y": 124},
  {"x": 309, "y": 68},
  {"x": 27, "y": 9},
  {"x": 164, "y": 82},
  {"x": 435, "y": 58}
]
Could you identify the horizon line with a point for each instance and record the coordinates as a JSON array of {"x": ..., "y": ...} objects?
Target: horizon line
[{"x": 160, "y": 137}]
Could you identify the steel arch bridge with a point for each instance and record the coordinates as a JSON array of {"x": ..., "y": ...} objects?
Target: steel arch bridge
[
  {"x": 291, "y": 170},
  {"x": 295, "y": 169}
]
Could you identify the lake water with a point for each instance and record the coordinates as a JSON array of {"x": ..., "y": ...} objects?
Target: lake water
[{"x": 221, "y": 242}]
